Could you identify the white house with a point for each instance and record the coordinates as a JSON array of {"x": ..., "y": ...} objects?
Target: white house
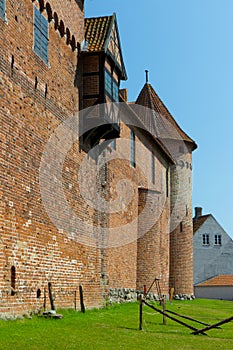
[{"x": 212, "y": 248}]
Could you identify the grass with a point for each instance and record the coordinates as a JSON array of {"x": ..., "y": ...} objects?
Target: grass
[{"x": 116, "y": 328}]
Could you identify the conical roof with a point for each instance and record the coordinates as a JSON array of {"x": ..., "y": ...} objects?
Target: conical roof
[{"x": 163, "y": 122}]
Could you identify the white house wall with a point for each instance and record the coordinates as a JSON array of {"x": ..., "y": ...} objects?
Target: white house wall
[
  {"x": 214, "y": 292},
  {"x": 212, "y": 260}
]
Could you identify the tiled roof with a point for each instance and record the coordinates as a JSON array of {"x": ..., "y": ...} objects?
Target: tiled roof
[
  {"x": 96, "y": 32},
  {"x": 97, "y": 35},
  {"x": 148, "y": 98},
  {"x": 199, "y": 222},
  {"x": 221, "y": 280}
]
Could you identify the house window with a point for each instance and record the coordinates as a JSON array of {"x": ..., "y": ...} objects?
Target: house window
[
  {"x": 41, "y": 33},
  {"x": 152, "y": 168},
  {"x": 217, "y": 239},
  {"x": 111, "y": 86},
  {"x": 3, "y": 9},
  {"x": 132, "y": 148},
  {"x": 205, "y": 239}
]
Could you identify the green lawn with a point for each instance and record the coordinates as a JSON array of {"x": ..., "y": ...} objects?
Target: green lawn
[{"x": 116, "y": 327}]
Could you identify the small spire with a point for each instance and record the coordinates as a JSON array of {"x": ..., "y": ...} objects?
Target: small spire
[{"x": 147, "y": 75}]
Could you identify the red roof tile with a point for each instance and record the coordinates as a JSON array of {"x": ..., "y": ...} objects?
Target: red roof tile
[
  {"x": 221, "y": 280},
  {"x": 96, "y": 32}
]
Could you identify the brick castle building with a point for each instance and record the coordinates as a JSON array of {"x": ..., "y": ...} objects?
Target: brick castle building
[{"x": 54, "y": 64}]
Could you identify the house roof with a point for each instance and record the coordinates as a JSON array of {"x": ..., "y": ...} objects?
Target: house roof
[
  {"x": 197, "y": 223},
  {"x": 163, "y": 119},
  {"x": 97, "y": 36},
  {"x": 96, "y": 31},
  {"x": 221, "y": 280}
]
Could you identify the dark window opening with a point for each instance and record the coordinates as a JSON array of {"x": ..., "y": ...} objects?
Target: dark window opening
[
  {"x": 167, "y": 182},
  {"x": 36, "y": 83},
  {"x": 12, "y": 62},
  {"x": 181, "y": 226},
  {"x": 38, "y": 293},
  {"x": 13, "y": 276},
  {"x": 46, "y": 90}
]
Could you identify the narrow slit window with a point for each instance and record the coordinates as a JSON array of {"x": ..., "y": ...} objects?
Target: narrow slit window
[
  {"x": 167, "y": 182},
  {"x": 38, "y": 293},
  {"x": 13, "y": 277},
  {"x": 132, "y": 148},
  {"x": 181, "y": 226},
  {"x": 41, "y": 35}
]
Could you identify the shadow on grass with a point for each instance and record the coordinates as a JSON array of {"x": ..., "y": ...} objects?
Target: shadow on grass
[{"x": 128, "y": 328}]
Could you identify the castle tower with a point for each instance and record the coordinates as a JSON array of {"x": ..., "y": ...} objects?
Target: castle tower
[{"x": 178, "y": 146}]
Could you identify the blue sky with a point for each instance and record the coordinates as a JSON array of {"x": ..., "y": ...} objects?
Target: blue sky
[{"x": 187, "y": 46}]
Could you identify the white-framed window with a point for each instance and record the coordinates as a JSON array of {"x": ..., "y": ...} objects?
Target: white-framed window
[
  {"x": 3, "y": 9},
  {"x": 41, "y": 35},
  {"x": 217, "y": 239},
  {"x": 132, "y": 148},
  {"x": 205, "y": 239}
]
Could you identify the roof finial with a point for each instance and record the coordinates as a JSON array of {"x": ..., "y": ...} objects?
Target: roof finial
[{"x": 147, "y": 75}]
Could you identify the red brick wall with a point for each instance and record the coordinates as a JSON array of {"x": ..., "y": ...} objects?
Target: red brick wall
[
  {"x": 40, "y": 252},
  {"x": 29, "y": 240}
]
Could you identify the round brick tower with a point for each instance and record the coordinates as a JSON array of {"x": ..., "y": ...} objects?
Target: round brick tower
[{"x": 181, "y": 236}]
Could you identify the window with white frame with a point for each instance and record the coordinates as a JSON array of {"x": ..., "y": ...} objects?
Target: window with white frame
[
  {"x": 3, "y": 9},
  {"x": 41, "y": 35},
  {"x": 218, "y": 240},
  {"x": 205, "y": 239}
]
